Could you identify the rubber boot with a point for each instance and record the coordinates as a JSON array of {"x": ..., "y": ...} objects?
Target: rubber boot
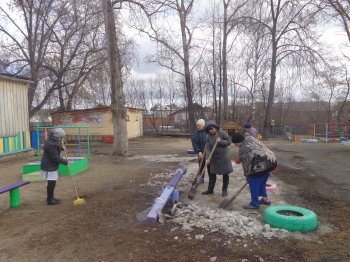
[
  {"x": 212, "y": 181},
  {"x": 225, "y": 181},
  {"x": 51, "y": 184}
]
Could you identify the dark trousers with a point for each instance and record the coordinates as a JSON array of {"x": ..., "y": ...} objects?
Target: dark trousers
[
  {"x": 212, "y": 181},
  {"x": 51, "y": 184},
  {"x": 257, "y": 187}
]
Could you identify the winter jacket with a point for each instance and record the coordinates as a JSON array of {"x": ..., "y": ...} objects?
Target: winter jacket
[
  {"x": 51, "y": 157},
  {"x": 198, "y": 141},
  {"x": 220, "y": 162},
  {"x": 255, "y": 157}
]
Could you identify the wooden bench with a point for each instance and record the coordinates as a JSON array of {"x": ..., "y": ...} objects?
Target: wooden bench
[{"x": 15, "y": 199}]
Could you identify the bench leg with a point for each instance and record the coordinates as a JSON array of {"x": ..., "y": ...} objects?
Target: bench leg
[{"x": 15, "y": 199}]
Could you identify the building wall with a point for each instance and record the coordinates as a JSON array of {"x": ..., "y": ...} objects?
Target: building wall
[
  {"x": 14, "y": 115},
  {"x": 99, "y": 120}
]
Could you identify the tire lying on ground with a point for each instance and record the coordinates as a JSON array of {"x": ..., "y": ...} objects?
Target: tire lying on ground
[{"x": 291, "y": 218}]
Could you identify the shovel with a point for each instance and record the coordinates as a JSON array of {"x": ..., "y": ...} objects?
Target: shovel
[
  {"x": 199, "y": 173},
  {"x": 227, "y": 202},
  {"x": 193, "y": 190}
]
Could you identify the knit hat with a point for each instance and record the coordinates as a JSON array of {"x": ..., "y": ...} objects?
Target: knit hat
[
  {"x": 237, "y": 138},
  {"x": 58, "y": 132},
  {"x": 247, "y": 126},
  {"x": 201, "y": 122}
]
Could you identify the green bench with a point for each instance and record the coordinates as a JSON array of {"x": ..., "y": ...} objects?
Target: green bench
[{"x": 15, "y": 199}]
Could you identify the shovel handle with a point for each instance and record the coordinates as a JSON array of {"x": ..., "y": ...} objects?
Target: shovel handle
[
  {"x": 238, "y": 192},
  {"x": 209, "y": 158}
]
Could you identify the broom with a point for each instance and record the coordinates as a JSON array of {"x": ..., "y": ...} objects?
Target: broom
[
  {"x": 193, "y": 190},
  {"x": 225, "y": 204},
  {"x": 78, "y": 201}
]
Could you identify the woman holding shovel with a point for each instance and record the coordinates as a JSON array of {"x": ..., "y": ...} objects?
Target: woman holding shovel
[
  {"x": 257, "y": 161},
  {"x": 220, "y": 162}
]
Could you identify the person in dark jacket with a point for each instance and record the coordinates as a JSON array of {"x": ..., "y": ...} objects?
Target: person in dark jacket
[
  {"x": 257, "y": 162},
  {"x": 50, "y": 162},
  {"x": 198, "y": 143},
  {"x": 220, "y": 163},
  {"x": 251, "y": 131}
]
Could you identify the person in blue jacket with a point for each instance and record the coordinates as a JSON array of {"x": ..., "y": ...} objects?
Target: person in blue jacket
[{"x": 198, "y": 143}]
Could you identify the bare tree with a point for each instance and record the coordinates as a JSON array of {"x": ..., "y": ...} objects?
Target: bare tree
[
  {"x": 230, "y": 21},
  {"x": 171, "y": 53},
  {"x": 344, "y": 92},
  {"x": 28, "y": 46},
  {"x": 289, "y": 24},
  {"x": 119, "y": 113},
  {"x": 342, "y": 8}
]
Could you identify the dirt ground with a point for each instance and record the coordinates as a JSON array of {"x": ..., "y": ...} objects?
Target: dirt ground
[{"x": 109, "y": 228}]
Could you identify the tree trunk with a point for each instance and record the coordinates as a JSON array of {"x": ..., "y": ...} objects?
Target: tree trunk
[
  {"x": 224, "y": 65},
  {"x": 60, "y": 97},
  {"x": 220, "y": 84},
  {"x": 267, "y": 122},
  {"x": 340, "y": 111},
  {"x": 186, "y": 61},
  {"x": 119, "y": 113}
]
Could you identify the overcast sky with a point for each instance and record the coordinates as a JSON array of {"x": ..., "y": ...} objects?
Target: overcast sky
[{"x": 332, "y": 35}]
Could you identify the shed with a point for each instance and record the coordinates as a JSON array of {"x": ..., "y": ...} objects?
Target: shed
[
  {"x": 99, "y": 120},
  {"x": 14, "y": 114},
  {"x": 231, "y": 128}
]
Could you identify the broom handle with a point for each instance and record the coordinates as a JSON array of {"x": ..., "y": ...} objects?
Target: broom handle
[{"x": 70, "y": 172}]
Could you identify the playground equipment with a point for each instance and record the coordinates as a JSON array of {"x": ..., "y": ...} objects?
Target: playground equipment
[
  {"x": 15, "y": 199},
  {"x": 169, "y": 191},
  {"x": 78, "y": 138},
  {"x": 74, "y": 136},
  {"x": 321, "y": 132},
  {"x": 325, "y": 132}
]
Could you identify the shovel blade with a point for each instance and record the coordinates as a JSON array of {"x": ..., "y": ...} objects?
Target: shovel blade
[
  {"x": 192, "y": 193},
  {"x": 224, "y": 204}
]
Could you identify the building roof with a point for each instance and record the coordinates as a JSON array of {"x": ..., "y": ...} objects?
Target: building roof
[
  {"x": 15, "y": 78},
  {"x": 231, "y": 125}
]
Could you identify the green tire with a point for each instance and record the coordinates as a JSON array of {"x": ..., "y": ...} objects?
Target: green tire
[{"x": 302, "y": 219}]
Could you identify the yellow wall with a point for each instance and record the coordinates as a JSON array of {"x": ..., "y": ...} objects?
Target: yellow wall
[
  {"x": 14, "y": 114},
  {"x": 101, "y": 124}
]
